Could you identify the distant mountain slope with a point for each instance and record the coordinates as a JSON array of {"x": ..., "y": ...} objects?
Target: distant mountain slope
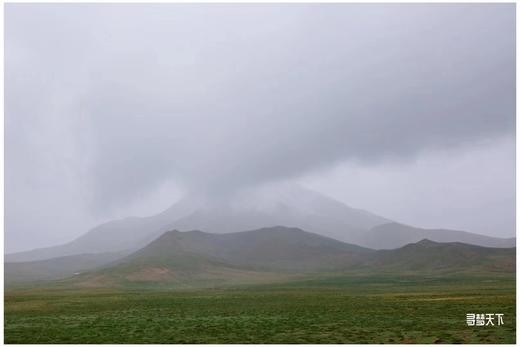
[
  {"x": 119, "y": 235},
  {"x": 56, "y": 268},
  {"x": 277, "y": 248},
  {"x": 287, "y": 205},
  {"x": 427, "y": 255},
  {"x": 394, "y": 235},
  {"x": 195, "y": 258},
  {"x": 283, "y": 205},
  {"x": 292, "y": 206}
]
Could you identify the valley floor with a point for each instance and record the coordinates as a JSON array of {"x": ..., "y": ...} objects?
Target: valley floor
[{"x": 338, "y": 309}]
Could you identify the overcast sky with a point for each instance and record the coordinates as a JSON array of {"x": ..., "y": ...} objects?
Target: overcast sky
[{"x": 407, "y": 111}]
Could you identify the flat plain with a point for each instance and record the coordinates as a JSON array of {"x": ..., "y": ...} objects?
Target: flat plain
[{"x": 340, "y": 308}]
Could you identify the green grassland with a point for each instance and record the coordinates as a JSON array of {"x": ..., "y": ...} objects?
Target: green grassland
[{"x": 347, "y": 308}]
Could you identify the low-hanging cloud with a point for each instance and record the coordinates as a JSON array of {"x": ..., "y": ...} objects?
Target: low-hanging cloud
[{"x": 118, "y": 99}]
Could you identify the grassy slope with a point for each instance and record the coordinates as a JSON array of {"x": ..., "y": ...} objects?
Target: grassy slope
[
  {"x": 433, "y": 256},
  {"x": 420, "y": 293},
  {"x": 198, "y": 259},
  {"x": 57, "y": 268},
  {"x": 195, "y": 259},
  {"x": 352, "y": 308},
  {"x": 270, "y": 255}
]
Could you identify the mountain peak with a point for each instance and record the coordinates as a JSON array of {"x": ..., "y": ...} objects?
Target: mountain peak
[
  {"x": 201, "y": 258},
  {"x": 427, "y": 242},
  {"x": 252, "y": 209}
]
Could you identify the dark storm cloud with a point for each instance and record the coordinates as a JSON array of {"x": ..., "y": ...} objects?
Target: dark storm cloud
[
  {"x": 271, "y": 97},
  {"x": 118, "y": 99}
]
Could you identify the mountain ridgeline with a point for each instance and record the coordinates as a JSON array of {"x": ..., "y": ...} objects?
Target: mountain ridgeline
[
  {"x": 290, "y": 205},
  {"x": 267, "y": 255}
]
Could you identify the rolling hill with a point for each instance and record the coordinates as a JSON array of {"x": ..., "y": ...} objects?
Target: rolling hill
[
  {"x": 287, "y": 205},
  {"x": 252, "y": 209},
  {"x": 56, "y": 268},
  {"x": 271, "y": 249},
  {"x": 200, "y": 259},
  {"x": 394, "y": 235},
  {"x": 427, "y": 255},
  {"x": 128, "y": 234}
]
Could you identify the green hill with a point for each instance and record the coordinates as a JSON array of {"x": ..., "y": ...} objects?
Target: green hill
[
  {"x": 427, "y": 255},
  {"x": 196, "y": 258},
  {"x": 200, "y": 259},
  {"x": 395, "y": 235},
  {"x": 56, "y": 268},
  {"x": 276, "y": 248}
]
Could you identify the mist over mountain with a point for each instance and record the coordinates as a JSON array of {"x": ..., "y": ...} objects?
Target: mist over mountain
[
  {"x": 208, "y": 100},
  {"x": 257, "y": 173},
  {"x": 281, "y": 204},
  {"x": 200, "y": 259}
]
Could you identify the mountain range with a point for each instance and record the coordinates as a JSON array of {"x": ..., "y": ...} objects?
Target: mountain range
[
  {"x": 288, "y": 205},
  {"x": 201, "y": 259}
]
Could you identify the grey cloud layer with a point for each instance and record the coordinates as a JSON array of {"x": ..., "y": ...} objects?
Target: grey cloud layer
[{"x": 111, "y": 101}]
